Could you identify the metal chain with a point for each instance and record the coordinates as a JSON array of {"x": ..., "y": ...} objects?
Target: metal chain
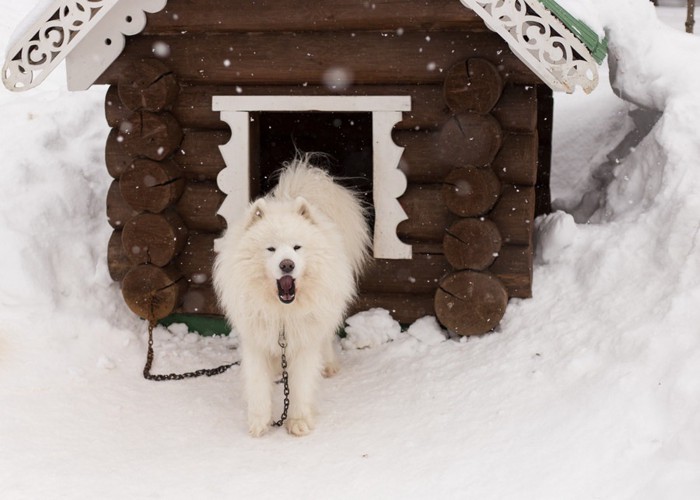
[
  {"x": 176, "y": 376},
  {"x": 282, "y": 341}
]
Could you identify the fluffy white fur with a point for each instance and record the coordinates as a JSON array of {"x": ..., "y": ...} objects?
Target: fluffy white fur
[{"x": 320, "y": 227}]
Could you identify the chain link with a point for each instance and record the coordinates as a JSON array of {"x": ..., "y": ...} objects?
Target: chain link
[
  {"x": 282, "y": 341},
  {"x": 209, "y": 372}
]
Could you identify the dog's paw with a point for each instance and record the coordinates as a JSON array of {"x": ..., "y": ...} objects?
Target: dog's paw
[
  {"x": 299, "y": 426},
  {"x": 257, "y": 427},
  {"x": 330, "y": 369}
]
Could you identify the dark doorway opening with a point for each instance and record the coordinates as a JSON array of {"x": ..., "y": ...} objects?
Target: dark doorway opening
[{"x": 345, "y": 139}]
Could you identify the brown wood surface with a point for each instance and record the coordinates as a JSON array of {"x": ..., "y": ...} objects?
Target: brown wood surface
[
  {"x": 118, "y": 263},
  {"x": 199, "y": 156},
  {"x": 147, "y": 85},
  {"x": 472, "y": 244},
  {"x": 516, "y": 110},
  {"x": 193, "y": 107},
  {"x": 464, "y": 140},
  {"x": 474, "y": 85},
  {"x": 404, "y": 308},
  {"x": 514, "y": 214},
  {"x": 470, "y": 302},
  {"x": 470, "y": 191},
  {"x": 297, "y": 58},
  {"x": 516, "y": 162},
  {"x": 153, "y": 292},
  {"x": 117, "y": 158},
  {"x": 419, "y": 275},
  {"x": 513, "y": 267},
  {"x": 153, "y": 135},
  {"x": 198, "y": 207},
  {"x": 196, "y": 259},
  {"x": 119, "y": 212},
  {"x": 427, "y": 215},
  {"x": 151, "y": 186},
  {"x": 154, "y": 238},
  {"x": 428, "y": 156},
  {"x": 211, "y": 16}
]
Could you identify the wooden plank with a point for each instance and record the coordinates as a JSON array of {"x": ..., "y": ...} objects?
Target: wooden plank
[
  {"x": 514, "y": 214},
  {"x": 513, "y": 267},
  {"x": 404, "y": 308},
  {"x": 428, "y": 216},
  {"x": 320, "y": 58},
  {"x": 516, "y": 162},
  {"x": 516, "y": 110},
  {"x": 419, "y": 275},
  {"x": 212, "y": 16},
  {"x": 199, "y": 156},
  {"x": 198, "y": 207}
]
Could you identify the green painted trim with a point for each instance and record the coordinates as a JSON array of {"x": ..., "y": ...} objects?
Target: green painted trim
[
  {"x": 199, "y": 323},
  {"x": 215, "y": 325},
  {"x": 597, "y": 47}
]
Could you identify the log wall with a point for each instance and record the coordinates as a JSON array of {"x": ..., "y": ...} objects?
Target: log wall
[{"x": 472, "y": 143}]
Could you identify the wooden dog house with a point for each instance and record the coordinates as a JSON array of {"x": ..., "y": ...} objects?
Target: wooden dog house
[{"x": 441, "y": 111}]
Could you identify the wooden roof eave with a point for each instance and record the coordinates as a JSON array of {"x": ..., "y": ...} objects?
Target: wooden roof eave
[
  {"x": 88, "y": 34},
  {"x": 541, "y": 41}
]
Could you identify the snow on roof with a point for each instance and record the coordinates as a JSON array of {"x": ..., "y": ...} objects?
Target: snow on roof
[{"x": 92, "y": 33}]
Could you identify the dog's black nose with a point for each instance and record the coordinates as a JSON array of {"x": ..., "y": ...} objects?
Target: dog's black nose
[{"x": 287, "y": 266}]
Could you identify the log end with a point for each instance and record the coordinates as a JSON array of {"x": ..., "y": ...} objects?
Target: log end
[{"x": 470, "y": 302}]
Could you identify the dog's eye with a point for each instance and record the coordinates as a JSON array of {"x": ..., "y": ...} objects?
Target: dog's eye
[
  {"x": 297, "y": 247},
  {"x": 271, "y": 249}
]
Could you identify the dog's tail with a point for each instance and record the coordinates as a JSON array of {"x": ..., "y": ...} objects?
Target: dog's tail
[{"x": 343, "y": 206}]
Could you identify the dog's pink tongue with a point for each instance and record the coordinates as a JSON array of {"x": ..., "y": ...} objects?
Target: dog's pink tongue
[{"x": 285, "y": 286}]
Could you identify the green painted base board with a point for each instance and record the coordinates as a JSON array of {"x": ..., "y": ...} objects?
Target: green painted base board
[{"x": 201, "y": 324}]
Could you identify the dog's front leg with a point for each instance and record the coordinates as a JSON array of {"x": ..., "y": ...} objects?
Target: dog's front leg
[
  {"x": 304, "y": 376},
  {"x": 258, "y": 376}
]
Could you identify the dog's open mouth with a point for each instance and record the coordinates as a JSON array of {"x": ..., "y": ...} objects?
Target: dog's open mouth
[{"x": 286, "y": 289}]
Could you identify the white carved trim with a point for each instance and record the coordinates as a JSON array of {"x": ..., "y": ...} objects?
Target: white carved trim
[
  {"x": 541, "y": 41},
  {"x": 389, "y": 182},
  {"x": 63, "y": 27}
]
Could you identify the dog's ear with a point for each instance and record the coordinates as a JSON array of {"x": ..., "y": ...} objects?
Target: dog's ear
[
  {"x": 255, "y": 212},
  {"x": 302, "y": 207}
]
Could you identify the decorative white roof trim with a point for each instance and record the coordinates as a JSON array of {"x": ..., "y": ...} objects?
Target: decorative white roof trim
[
  {"x": 62, "y": 29},
  {"x": 389, "y": 183},
  {"x": 541, "y": 41}
]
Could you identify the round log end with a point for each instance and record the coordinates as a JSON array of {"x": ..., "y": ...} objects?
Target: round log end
[
  {"x": 153, "y": 292},
  {"x": 470, "y": 302},
  {"x": 154, "y": 238},
  {"x": 472, "y": 86},
  {"x": 149, "y": 186},
  {"x": 472, "y": 244},
  {"x": 470, "y": 139},
  {"x": 117, "y": 261},
  {"x": 470, "y": 191},
  {"x": 147, "y": 85},
  {"x": 153, "y": 135}
]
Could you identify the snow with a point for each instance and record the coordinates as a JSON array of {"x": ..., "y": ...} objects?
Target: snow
[{"x": 591, "y": 389}]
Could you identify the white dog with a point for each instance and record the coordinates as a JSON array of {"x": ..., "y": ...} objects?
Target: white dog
[{"x": 291, "y": 264}]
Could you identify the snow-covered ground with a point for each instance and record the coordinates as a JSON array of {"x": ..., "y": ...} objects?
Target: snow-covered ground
[{"x": 590, "y": 390}]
